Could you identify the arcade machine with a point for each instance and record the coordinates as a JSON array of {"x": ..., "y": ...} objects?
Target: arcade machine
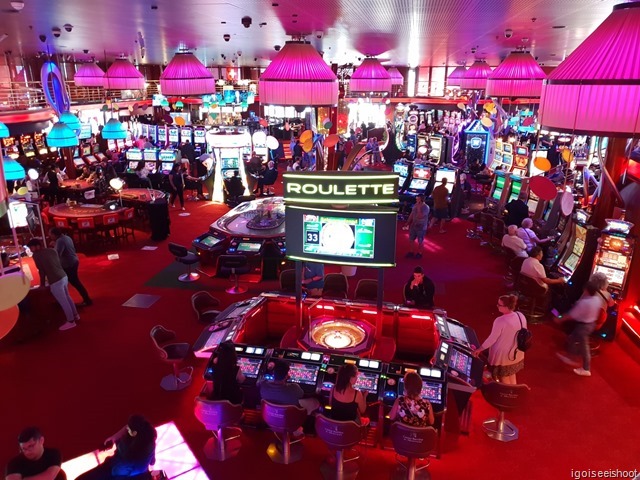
[
  {"x": 613, "y": 258},
  {"x": 521, "y": 161},
  {"x": 186, "y": 133},
  {"x": 40, "y": 145},
  {"x": 200, "y": 139},
  {"x": 77, "y": 158},
  {"x": 112, "y": 146},
  {"x": 532, "y": 202},
  {"x": 420, "y": 180},
  {"x": 133, "y": 156},
  {"x": 478, "y": 144},
  {"x": 402, "y": 169},
  {"x": 497, "y": 156},
  {"x": 227, "y": 151},
  {"x": 162, "y": 135},
  {"x": 167, "y": 158},
  {"x": 28, "y": 149},
  {"x": 456, "y": 332},
  {"x": 304, "y": 368},
  {"x": 516, "y": 185},
  {"x": 441, "y": 149},
  {"x": 507, "y": 157},
  {"x": 10, "y": 146},
  {"x": 371, "y": 371},
  {"x": 551, "y": 214},
  {"x": 95, "y": 150},
  {"x": 144, "y": 130},
  {"x": 173, "y": 136},
  {"x": 153, "y": 133},
  {"x": 89, "y": 154},
  {"x": 150, "y": 157}
]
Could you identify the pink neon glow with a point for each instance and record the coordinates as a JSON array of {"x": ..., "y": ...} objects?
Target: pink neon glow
[
  {"x": 370, "y": 76},
  {"x": 186, "y": 75},
  {"x": 597, "y": 88},
  {"x": 88, "y": 75},
  {"x": 396, "y": 76},
  {"x": 122, "y": 75},
  {"x": 458, "y": 73},
  {"x": 476, "y": 76},
  {"x": 519, "y": 75},
  {"x": 298, "y": 76}
]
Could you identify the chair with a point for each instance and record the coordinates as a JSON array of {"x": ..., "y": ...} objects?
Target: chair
[
  {"x": 126, "y": 228},
  {"x": 486, "y": 223},
  {"x": 284, "y": 420},
  {"x": 340, "y": 437},
  {"x": 110, "y": 226},
  {"x": 61, "y": 222},
  {"x": 86, "y": 228},
  {"x": 366, "y": 289},
  {"x": 414, "y": 443},
  {"x": 384, "y": 349},
  {"x": 234, "y": 265},
  {"x": 505, "y": 398},
  {"x": 173, "y": 353},
  {"x": 336, "y": 285},
  {"x": 288, "y": 281},
  {"x": 533, "y": 298},
  {"x": 220, "y": 416},
  {"x": 204, "y": 304},
  {"x": 290, "y": 337},
  {"x": 187, "y": 258},
  {"x": 498, "y": 231}
]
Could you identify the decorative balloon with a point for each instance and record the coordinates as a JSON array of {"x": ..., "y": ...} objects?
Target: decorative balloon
[
  {"x": 567, "y": 155},
  {"x": 168, "y": 119},
  {"x": 14, "y": 287},
  {"x": 331, "y": 140},
  {"x": 542, "y": 163},
  {"x": 167, "y": 109},
  {"x": 306, "y": 135},
  {"x": 179, "y": 121},
  {"x": 543, "y": 187},
  {"x": 307, "y": 146},
  {"x": 489, "y": 106},
  {"x": 8, "y": 320},
  {"x": 328, "y": 125},
  {"x": 272, "y": 142},
  {"x": 259, "y": 137},
  {"x": 486, "y": 121}
]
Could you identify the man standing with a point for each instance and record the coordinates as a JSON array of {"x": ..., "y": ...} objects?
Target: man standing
[
  {"x": 48, "y": 264},
  {"x": 417, "y": 222},
  {"x": 517, "y": 210},
  {"x": 70, "y": 262},
  {"x": 440, "y": 197},
  {"x": 35, "y": 461}
]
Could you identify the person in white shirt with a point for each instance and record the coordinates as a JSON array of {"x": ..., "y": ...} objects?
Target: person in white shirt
[
  {"x": 532, "y": 268},
  {"x": 514, "y": 243},
  {"x": 529, "y": 236},
  {"x": 586, "y": 313}
]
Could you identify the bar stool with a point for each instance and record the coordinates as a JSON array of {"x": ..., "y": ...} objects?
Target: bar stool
[
  {"x": 126, "y": 228},
  {"x": 414, "y": 443},
  {"x": 505, "y": 398},
  {"x": 220, "y": 416},
  {"x": 283, "y": 420}
]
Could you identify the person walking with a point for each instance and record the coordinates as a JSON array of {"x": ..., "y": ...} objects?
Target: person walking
[
  {"x": 176, "y": 180},
  {"x": 417, "y": 225},
  {"x": 70, "y": 262}
]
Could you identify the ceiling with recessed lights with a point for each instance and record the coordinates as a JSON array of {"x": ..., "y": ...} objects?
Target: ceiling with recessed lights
[{"x": 400, "y": 32}]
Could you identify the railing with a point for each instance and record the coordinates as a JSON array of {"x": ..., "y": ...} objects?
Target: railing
[{"x": 18, "y": 96}]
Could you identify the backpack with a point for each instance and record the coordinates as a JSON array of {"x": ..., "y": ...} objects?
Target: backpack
[{"x": 524, "y": 338}]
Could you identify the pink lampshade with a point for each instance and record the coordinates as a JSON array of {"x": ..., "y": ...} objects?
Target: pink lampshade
[
  {"x": 186, "y": 75},
  {"x": 122, "y": 75},
  {"x": 597, "y": 88},
  {"x": 454, "y": 78},
  {"x": 519, "y": 75},
  {"x": 370, "y": 76},
  {"x": 298, "y": 76},
  {"x": 89, "y": 75},
  {"x": 476, "y": 76},
  {"x": 396, "y": 76}
]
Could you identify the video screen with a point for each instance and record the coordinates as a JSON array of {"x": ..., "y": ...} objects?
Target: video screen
[
  {"x": 78, "y": 162},
  {"x": 186, "y": 134},
  {"x": 249, "y": 247},
  {"x": 460, "y": 362},
  {"x": 422, "y": 173},
  {"x": 432, "y": 391},
  {"x": 86, "y": 150},
  {"x": 250, "y": 367},
  {"x": 228, "y": 163},
  {"x": 209, "y": 241},
  {"x": 85, "y": 131},
  {"x": 450, "y": 175},
  {"x": 151, "y": 166},
  {"x": 134, "y": 154},
  {"x": 522, "y": 151},
  {"x": 457, "y": 332},
  {"x": 497, "y": 192},
  {"x": 581, "y": 236},
  {"x": 166, "y": 167},
  {"x": 18, "y": 214},
  {"x": 303, "y": 373},
  {"x": 167, "y": 156},
  {"x": 401, "y": 169},
  {"x": 133, "y": 165},
  {"x": 162, "y": 134},
  {"x": 572, "y": 262},
  {"x": 418, "y": 184},
  {"x": 507, "y": 159},
  {"x": 532, "y": 203},
  {"x": 615, "y": 276},
  {"x": 216, "y": 338},
  {"x": 367, "y": 381},
  {"x": 152, "y": 133},
  {"x": 516, "y": 186},
  {"x": 174, "y": 135},
  {"x": 345, "y": 237},
  {"x": 547, "y": 211},
  {"x": 507, "y": 148},
  {"x": 150, "y": 155},
  {"x": 497, "y": 161}
]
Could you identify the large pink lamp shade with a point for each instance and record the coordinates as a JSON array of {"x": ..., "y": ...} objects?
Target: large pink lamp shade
[
  {"x": 453, "y": 80},
  {"x": 396, "y": 76},
  {"x": 476, "y": 76},
  {"x": 519, "y": 75},
  {"x": 370, "y": 76},
  {"x": 89, "y": 75},
  {"x": 186, "y": 75},
  {"x": 597, "y": 88},
  {"x": 122, "y": 75},
  {"x": 298, "y": 76}
]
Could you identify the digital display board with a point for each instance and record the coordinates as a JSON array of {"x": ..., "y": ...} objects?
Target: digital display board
[{"x": 331, "y": 235}]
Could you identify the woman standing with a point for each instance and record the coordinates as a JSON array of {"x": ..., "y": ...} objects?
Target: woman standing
[
  {"x": 505, "y": 360},
  {"x": 176, "y": 180},
  {"x": 347, "y": 403},
  {"x": 411, "y": 409}
]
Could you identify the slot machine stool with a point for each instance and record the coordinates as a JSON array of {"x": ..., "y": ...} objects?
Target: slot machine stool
[
  {"x": 414, "y": 443},
  {"x": 340, "y": 437},
  {"x": 283, "y": 420},
  {"x": 505, "y": 398},
  {"x": 221, "y": 418}
]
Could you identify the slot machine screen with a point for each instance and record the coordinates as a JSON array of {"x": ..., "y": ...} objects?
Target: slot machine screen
[
  {"x": 615, "y": 276},
  {"x": 547, "y": 211},
  {"x": 497, "y": 192},
  {"x": 209, "y": 241},
  {"x": 457, "y": 332},
  {"x": 578, "y": 244},
  {"x": 78, "y": 162},
  {"x": 450, "y": 175},
  {"x": 460, "y": 362},
  {"x": 186, "y": 134},
  {"x": 174, "y": 135},
  {"x": 516, "y": 186},
  {"x": 150, "y": 155},
  {"x": 572, "y": 262},
  {"x": 507, "y": 148},
  {"x": 152, "y": 133},
  {"x": 250, "y": 367},
  {"x": 497, "y": 160},
  {"x": 507, "y": 159},
  {"x": 418, "y": 184},
  {"x": 133, "y": 164},
  {"x": 86, "y": 150},
  {"x": 401, "y": 169},
  {"x": 303, "y": 373},
  {"x": 199, "y": 135},
  {"x": 422, "y": 173},
  {"x": 216, "y": 338},
  {"x": 166, "y": 167},
  {"x": 229, "y": 163},
  {"x": 432, "y": 391},
  {"x": 251, "y": 247},
  {"x": 144, "y": 130},
  {"x": 151, "y": 166},
  {"x": 367, "y": 381},
  {"x": 85, "y": 131},
  {"x": 532, "y": 203}
]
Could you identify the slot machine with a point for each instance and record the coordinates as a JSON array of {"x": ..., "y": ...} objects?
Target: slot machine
[
  {"x": 150, "y": 157},
  {"x": 459, "y": 363},
  {"x": 507, "y": 157},
  {"x": 453, "y": 187},
  {"x": 128, "y": 142},
  {"x": 370, "y": 372},
  {"x": 78, "y": 161},
  {"x": 478, "y": 144},
  {"x": 402, "y": 169},
  {"x": 420, "y": 178},
  {"x": 28, "y": 149},
  {"x": 144, "y": 130},
  {"x": 200, "y": 138},
  {"x": 516, "y": 185},
  {"x": 186, "y": 133},
  {"x": 10, "y": 146},
  {"x": 167, "y": 158},
  {"x": 133, "y": 155},
  {"x": 252, "y": 248},
  {"x": 613, "y": 258},
  {"x": 40, "y": 145},
  {"x": 497, "y": 198},
  {"x": 456, "y": 332},
  {"x": 153, "y": 133},
  {"x": 521, "y": 161},
  {"x": 434, "y": 386},
  {"x": 162, "y": 136},
  {"x": 111, "y": 145},
  {"x": 497, "y": 156},
  {"x": 304, "y": 368},
  {"x": 532, "y": 203},
  {"x": 173, "y": 136},
  {"x": 435, "y": 142}
]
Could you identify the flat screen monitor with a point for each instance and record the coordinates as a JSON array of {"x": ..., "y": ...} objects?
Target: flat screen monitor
[
  {"x": 352, "y": 237},
  {"x": 134, "y": 154},
  {"x": 460, "y": 362},
  {"x": 229, "y": 163},
  {"x": 133, "y": 165},
  {"x": 497, "y": 161},
  {"x": 151, "y": 166},
  {"x": 91, "y": 159},
  {"x": 162, "y": 134},
  {"x": 522, "y": 151},
  {"x": 547, "y": 211},
  {"x": 250, "y": 367},
  {"x": 367, "y": 381},
  {"x": 507, "y": 148},
  {"x": 450, "y": 175},
  {"x": 85, "y": 131},
  {"x": 86, "y": 150},
  {"x": 432, "y": 391},
  {"x": 251, "y": 247},
  {"x": 174, "y": 135},
  {"x": 166, "y": 167},
  {"x": 150, "y": 155},
  {"x": 18, "y": 215},
  {"x": 507, "y": 159},
  {"x": 305, "y": 373},
  {"x": 457, "y": 332},
  {"x": 78, "y": 162},
  {"x": 422, "y": 172},
  {"x": 572, "y": 262},
  {"x": 401, "y": 169},
  {"x": 614, "y": 275},
  {"x": 209, "y": 241},
  {"x": 418, "y": 184},
  {"x": 199, "y": 136},
  {"x": 516, "y": 186},
  {"x": 533, "y": 201},
  {"x": 497, "y": 191}
]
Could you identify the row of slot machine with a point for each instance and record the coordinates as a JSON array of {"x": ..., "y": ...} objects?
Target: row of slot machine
[
  {"x": 155, "y": 160},
  {"x": 29, "y": 145},
  {"x": 173, "y": 136},
  {"x": 423, "y": 178},
  {"x": 87, "y": 154}
]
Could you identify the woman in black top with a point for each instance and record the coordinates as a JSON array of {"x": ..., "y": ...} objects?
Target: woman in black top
[
  {"x": 176, "y": 180},
  {"x": 227, "y": 376},
  {"x": 419, "y": 290},
  {"x": 347, "y": 403}
]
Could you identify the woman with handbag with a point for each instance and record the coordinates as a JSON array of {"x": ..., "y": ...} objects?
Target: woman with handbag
[{"x": 505, "y": 359}]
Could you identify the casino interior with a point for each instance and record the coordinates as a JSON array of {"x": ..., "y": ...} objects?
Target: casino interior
[{"x": 284, "y": 146}]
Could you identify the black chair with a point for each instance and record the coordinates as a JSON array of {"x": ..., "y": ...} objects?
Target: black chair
[
  {"x": 336, "y": 285},
  {"x": 414, "y": 443},
  {"x": 288, "y": 281},
  {"x": 187, "y": 258},
  {"x": 234, "y": 265},
  {"x": 206, "y": 306},
  {"x": 175, "y": 354},
  {"x": 533, "y": 298},
  {"x": 505, "y": 398},
  {"x": 498, "y": 231},
  {"x": 366, "y": 289}
]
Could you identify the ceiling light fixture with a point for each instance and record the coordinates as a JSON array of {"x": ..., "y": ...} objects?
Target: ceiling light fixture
[
  {"x": 17, "y": 5},
  {"x": 519, "y": 75}
]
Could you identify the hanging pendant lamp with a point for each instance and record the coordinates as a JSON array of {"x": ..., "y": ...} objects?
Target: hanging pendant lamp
[
  {"x": 61, "y": 136},
  {"x": 123, "y": 75},
  {"x": 369, "y": 77},
  {"x": 114, "y": 130},
  {"x": 298, "y": 76},
  {"x": 396, "y": 76},
  {"x": 186, "y": 75},
  {"x": 454, "y": 77},
  {"x": 519, "y": 75},
  {"x": 476, "y": 76},
  {"x": 597, "y": 88},
  {"x": 71, "y": 121},
  {"x": 12, "y": 169},
  {"x": 89, "y": 75},
  {"x": 4, "y": 131}
]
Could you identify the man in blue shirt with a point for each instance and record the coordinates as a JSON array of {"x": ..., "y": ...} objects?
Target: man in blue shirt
[{"x": 313, "y": 278}]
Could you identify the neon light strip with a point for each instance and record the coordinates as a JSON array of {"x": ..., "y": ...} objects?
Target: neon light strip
[
  {"x": 339, "y": 262},
  {"x": 631, "y": 330},
  {"x": 351, "y": 201},
  {"x": 377, "y": 212},
  {"x": 340, "y": 177}
]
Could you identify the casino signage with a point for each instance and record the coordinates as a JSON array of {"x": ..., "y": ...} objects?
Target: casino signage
[{"x": 353, "y": 188}]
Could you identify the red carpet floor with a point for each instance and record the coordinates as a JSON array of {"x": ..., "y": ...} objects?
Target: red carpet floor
[{"x": 79, "y": 386}]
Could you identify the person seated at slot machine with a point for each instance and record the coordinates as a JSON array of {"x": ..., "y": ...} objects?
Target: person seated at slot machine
[
  {"x": 233, "y": 186},
  {"x": 410, "y": 408},
  {"x": 269, "y": 177},
  {"x": 419, "y": 290},
  {"x": 227, "y": 375},
  {"x": 513, "y": 242},
  {"x": 347, "y": 403},
  {"x": 143, "y": 175},
  {"x": 313, "y": 278},
  {"x": 517, "y": 210},
  {"x": 529, "y": 236},
  {"x": 532, "y": 268},
  {"x": 281, "y": 392}
]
